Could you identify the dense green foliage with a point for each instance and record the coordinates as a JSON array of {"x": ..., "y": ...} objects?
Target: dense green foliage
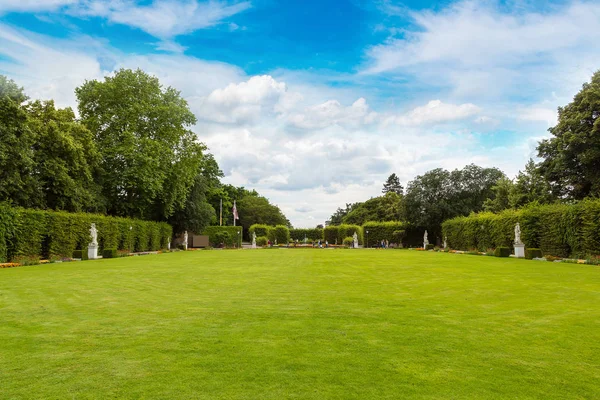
[
  {"x": 337, "y": 234},
  {"x": 35, "y": 233},
  {"x": 300, "y": 324},
  {"x": 389, "y": 207},
  {"x": 231, "y": 236},
  {"x": 309, "y": 233},
  {"x": 562, "y": 230},
  {"x": 80, "y": 254},
  {"x": 571, "y": 157},
  {"x": 392, "y": 184},
  {"x": 259, "y": 230},
  {"x": 392, "y": 231},
  {"x": 279, "y": 234},
  {"x": 262, "y": 241},
  {"x": 109, "y": 253}
]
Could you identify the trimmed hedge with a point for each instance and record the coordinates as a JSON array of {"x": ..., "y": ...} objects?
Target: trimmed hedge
[
  {"x": 562, "y": 230},
  {"x": 393, "y": 231},
  {"x": 279, "y": 233},
  {"x": 109, "y": 253},
  {"x": 310, "y": 234},
  {"x": 430, "y": 246},
  {"x": 81, "y": 254},
  {"x": 47, "y": 234},
  {"x": 337, "y": 233},
  {"x": 224, "y": 234},
  {"x": 502, "y": 252},
  {"x": 530, "y": 254},
  {"x": 259, "y": 229}
]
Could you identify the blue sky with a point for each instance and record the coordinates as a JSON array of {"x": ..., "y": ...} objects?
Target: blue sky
[{"x": 315, "y": 103}]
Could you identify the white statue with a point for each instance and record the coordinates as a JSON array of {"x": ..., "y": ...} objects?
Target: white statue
[
  {"x": 355, "y": 240},
  {"x": 94, "y": 235},
  {"x": 518, "y": 234},
  {"x": 185, "y": 240},
  {"x": 169, "y": 244},
  {"x": 425, "y": 241},
  {"x": 445, "y": 242},
  {"x": 253, "y": 240},
  {"x": 305, "y": 239}
]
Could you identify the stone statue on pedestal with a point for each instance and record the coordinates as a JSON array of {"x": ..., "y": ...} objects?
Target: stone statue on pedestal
[
  {"x": 445, "y": 242},
  {"x": 185, "y": 240},
  {"x": 253, "y": 240},
  {"x": 518, "y": 234},
  {"x": 93, "y": 246},
  {"x": 355, "y": 240},
  {"x": 425, "y": 241}
]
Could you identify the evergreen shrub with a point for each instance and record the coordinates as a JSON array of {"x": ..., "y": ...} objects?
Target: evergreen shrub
[
  {"x": 262, "y": 241},
  {"x": 109, "y": 253},
  {"x": 530, "y": 254}
]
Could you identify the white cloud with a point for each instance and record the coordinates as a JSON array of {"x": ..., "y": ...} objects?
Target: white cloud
[
  {"x": 480, "y": 48},
  {"x": 436, "y": 111},
  {"x": 33, "y": 5},
  {"x": 162, "y": 18},
  {"x": 547, "y": 115}
]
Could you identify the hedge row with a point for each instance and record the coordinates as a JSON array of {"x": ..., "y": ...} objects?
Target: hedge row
[
  {"x": 36, "y": 233},
  {"x": 279, "y": 233},
  {"x": 392, "y": 231},
  {"x": 562, "y": 230},
  {"x": 337, "y": 234},
  {"x": 231, "y": 236},
  {"x": 310, "y": 234}
]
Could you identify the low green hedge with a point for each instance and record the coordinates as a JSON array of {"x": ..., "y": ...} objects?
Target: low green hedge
[
  {"x": 109, "y": 253},
  {"x": 530, "y": 254},
  {"x": 279, "y": 234},
  {"x": 81, "y": 254},
  {"x": 46, "y": 234},
  {"x": 502, "y": 252},
  {"x": 430, "y": 246}
]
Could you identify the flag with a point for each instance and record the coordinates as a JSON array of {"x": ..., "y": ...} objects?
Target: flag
[{"x": 235, "y": 214}]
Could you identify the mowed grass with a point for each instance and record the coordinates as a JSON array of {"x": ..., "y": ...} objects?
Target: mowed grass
[{"x": 310, "y": 324}]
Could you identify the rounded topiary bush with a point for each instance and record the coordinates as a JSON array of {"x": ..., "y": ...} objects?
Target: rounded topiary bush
[
  {"x": 261, "y": 241},
  {"x": 219, "y": 238},
  {"x": 530, "y": 254},
  {"x": 502, "y": 252},
  {"x": 348, "y": 241}
]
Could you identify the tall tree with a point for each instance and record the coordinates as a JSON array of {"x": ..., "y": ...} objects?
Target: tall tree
[
  {"x": 66, "y": 159},
  {"x": 530, "y": 186},
  {"x": 571, "y": 157},
  {"x": 389, "y": 207},
  {"x": 392, "y": 184},
  {"x": 17, "y": 182},
  {"x": 149, "y": 155}
]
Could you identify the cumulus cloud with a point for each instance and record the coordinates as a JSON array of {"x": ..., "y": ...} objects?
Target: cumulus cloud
[
  {"x": 34, "y": 5},
  {"x": 436, "y": 111}
]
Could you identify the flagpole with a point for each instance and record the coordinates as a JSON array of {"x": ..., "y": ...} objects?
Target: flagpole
[
  {"x": 235, "y": 208},
  {"x": 221, "y": 213}
]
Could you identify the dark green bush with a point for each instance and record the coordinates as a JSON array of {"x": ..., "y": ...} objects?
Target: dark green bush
[
  {"x": 430, "y": 246},
  {"x": 109, "y": 253},
  {"x": 502, "y": 252},
  {"x": 81, "y": 254},
  {"x": 220, "y": 239},
  {"x": 530, "y": 254}
]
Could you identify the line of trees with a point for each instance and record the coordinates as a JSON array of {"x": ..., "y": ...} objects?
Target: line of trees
[
  {"x": 130, "y": 152},
  {"x": 568, "y": 170}
]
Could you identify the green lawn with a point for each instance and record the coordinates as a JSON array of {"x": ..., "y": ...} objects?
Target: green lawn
[{"x": 318, "y": 324}]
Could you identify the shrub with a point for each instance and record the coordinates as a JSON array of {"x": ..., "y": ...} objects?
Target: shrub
[
  {"x": 279, "y": 233},
  {"x": 81, "y": 254},
  {"x": 430, "y": 246},
  {"x": 502, "y": 252},
  {"x": 530, "y": 254},
  {"x": 348, "y": 241},
  {"x": 261, "y": 241},
  {"x": 109, "y": 253},
  {"x": 232, "y": 239}
]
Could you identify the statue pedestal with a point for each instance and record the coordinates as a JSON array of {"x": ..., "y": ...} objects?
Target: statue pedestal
[
  {"x": 93, "y": 251},
  {"x": 253, "y": 245},
  {"x": 520, "y": 250}
]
